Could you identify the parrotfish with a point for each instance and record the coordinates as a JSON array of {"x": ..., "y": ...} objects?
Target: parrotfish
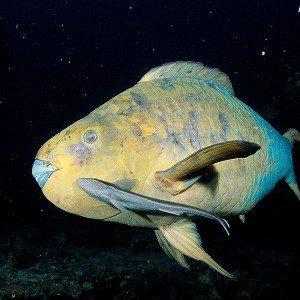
[{"x": 175, "y": 147}]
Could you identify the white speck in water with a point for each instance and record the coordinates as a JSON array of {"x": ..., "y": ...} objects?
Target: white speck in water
[
  {"x": 263, "y": 53},
  {"x": 17, "y": 26}
]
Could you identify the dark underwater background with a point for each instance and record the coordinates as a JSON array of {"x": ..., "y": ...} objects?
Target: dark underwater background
[{"x": 61, "y": 59}]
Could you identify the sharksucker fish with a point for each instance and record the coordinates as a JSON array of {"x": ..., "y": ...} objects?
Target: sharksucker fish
[{"x": 176, "y": 146}]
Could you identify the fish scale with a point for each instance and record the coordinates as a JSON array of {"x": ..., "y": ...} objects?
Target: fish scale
[{"x": 212, "y": 123}]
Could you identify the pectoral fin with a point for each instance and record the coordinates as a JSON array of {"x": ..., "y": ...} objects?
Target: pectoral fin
[
  {"x": 186, "y": 172},
  {"x": 183, "y": 237},
  {"x": 125, "y": 184}
]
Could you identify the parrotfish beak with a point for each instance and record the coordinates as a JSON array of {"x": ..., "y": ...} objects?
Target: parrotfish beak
[{"x": 42, "y": 170}]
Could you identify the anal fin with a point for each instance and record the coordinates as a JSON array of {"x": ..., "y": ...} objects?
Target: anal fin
[
  {"x": 184, "y": 237},
  {"x": 170, "y": 250}
]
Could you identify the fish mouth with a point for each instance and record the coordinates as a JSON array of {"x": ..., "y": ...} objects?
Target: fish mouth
[{"x": 42, "y": 170}]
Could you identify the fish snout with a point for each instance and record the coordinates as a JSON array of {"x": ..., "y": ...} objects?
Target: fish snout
[{"x": 42, "y": 170}]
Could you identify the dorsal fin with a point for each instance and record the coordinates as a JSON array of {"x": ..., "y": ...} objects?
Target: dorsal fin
[{"x": 189, "y": 69}]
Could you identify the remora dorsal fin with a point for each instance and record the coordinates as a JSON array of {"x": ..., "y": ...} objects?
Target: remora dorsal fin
[
  {"x": 184, "y": 237},
  {"x": 186, "y": 172},
  {"x": 189, "y": 69}
]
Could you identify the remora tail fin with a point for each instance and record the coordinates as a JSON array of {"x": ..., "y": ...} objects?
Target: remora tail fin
[{"x": 293, "y": 135}]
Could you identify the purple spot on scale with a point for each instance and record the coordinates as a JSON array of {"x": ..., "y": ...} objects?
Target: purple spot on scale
[
  {"x": 139, "y": 99},
  {"x": 135, "y": 129},
  {"x": 81, "y": 153},
  {"x": 224, "y": 122}
]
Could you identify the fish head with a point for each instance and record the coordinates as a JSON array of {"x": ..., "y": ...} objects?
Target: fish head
[{"x": 84, "y": 149}]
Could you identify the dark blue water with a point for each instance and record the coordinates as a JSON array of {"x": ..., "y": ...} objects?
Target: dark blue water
[{"x": 61, "y": 59}]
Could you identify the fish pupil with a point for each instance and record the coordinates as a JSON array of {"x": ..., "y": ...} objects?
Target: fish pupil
[{"x": 90, "y": 136}]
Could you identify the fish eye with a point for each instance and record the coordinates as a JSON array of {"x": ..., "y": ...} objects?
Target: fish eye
[{"x": 90, "y": 136}]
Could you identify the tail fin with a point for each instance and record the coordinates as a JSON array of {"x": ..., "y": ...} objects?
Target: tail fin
[{"x": 293, "y": 135}]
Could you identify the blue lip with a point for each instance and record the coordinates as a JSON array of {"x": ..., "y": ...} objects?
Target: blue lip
[{"x": 42, "y": 170}]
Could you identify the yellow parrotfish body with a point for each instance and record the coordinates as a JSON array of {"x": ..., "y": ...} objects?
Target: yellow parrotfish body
[{"x": 176, "y": 146}]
